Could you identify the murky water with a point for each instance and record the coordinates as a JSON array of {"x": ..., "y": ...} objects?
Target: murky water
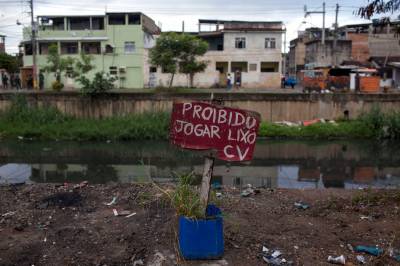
[{"x": 287, "y": 164}]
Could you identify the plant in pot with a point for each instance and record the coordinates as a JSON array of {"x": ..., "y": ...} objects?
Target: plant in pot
[{"x": 200, "y": 227}]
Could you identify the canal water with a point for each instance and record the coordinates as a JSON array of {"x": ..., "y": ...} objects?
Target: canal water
[{"x": 276, "y": 164}]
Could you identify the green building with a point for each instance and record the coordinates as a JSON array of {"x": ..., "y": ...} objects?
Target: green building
[{"x": 116, "y": 41}]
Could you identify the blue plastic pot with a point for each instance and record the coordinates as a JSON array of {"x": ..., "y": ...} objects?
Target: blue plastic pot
[{"x": 201, "y": 239}]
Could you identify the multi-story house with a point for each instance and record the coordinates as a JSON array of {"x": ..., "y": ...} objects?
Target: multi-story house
[
  {"x": 2, "y": 43},
  {"x": 116, "y": 42},
  {"x": 250, "y": 51}
]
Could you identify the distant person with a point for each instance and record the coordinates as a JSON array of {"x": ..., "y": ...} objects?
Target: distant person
[
  {"x": 29, "y": 82},
  {"x": 229, "y": 81},
  {"x": 17, "y": 82},
  {"x": 4, "y": 79},
  {"x": 283, "y": 80},
  {"x": 238, "y": 79},
  {"x": 41, "y": 80}
]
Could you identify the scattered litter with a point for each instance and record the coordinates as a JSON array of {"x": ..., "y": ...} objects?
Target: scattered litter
[
  {"x": 395, "y": 254},
  {"x": 338, "y": 260},
  {"x": 287, "y": 123},
  {"x": 264, "y": 249},
  {"x": 301, "y": 205},
  {"x": 361, "y": 259},
  {"x": 8, "y": 214},
  {"x": 272, "y": 261},
  {"x": 20, "y": 137},
  {"x": 47, "y": 149},
  {"x": 114, "y": 200},
  {"x": 296, "y": 247},
  {"x": 311, "y": 122},
  {"x": 247, "y": 192},
  {"x": 81, "y": 185},
  {"x": 108, "y": 141},
  {"x": 375, "y": 251},
  {"x": 45, "y": 239},
  {"x": 138, "y": 262},
  {"x": 350, "y": 247},
  {"x": 130, "y": 215},
  {"x": 369, "y": 218},
  {"x": 276, "y": 254},
  {"x": 218, "y": 194},
  {"x": 123, "y": 213}
]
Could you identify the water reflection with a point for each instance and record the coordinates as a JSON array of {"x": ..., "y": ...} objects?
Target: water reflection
[{"x": 287, "y": 164}]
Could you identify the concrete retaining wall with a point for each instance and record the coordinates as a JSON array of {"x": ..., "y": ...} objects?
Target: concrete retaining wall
[{"x": 272, "y": 107}]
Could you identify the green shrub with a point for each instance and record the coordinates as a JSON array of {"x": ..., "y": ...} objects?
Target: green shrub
[
  {"x": 57, "y": 85},
  {"x": 101, "y": 83}
]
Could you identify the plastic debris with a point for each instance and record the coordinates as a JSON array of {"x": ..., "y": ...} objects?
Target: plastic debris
[
  {"x": 369, "y": 218},
  {"x": 218, "y": 194},
  {"x": 114, "y": 200},
  {"x": 361, "y": 259},
  {"x": 395, "y": 254},
  {"x": 272, "y": 261},
  {"x": 375, "y": 251},
  {"x": 350, "y": 247},
  {"x": 301, "y": 205},
  {"x": 115, "y": 212},
  {"x": 264, "y": 249},
  {"x": 130, "y": 215},
  {"x": 247, "y": 192},
  {"x": 337, "y": 260},
  {"x": 287, "y": 123},
  {"x": 138, "y": 262},
  {"x": 276, "y": 254},
  {"x": 81, "y": 185},
  {"x": 8, "y": 214}
]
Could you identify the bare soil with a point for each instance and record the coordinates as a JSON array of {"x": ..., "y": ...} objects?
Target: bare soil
[{"x": 48, "y": 224}]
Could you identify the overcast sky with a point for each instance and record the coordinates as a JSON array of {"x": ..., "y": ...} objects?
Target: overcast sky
[{"x": 171, "y": 13}]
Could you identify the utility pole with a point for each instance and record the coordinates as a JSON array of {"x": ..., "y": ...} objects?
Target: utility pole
[
  {"x": 323, "y": 12},
  {"x": 34, "y": 66},
  {"x": 335, "y": 38},
  {"x": 183, "y": 26}
]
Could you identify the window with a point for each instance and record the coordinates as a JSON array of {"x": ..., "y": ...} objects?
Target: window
[
  {"x": 91, "y": 47},
  {"x": 116, "y": 19},
  {"x": 134, "y": 19},
  {"x": 44, "y": 47},
  {"x": 69, "y": 48},
  {"x": 79, "y": 23},
  {"x": 153, "y": 69},
  {"x": 240, "y": 43},
  {"x": 113, "y": 70},
  {"x": 98, "y": 23},
  {"x": 269, "y": 66},
  {"x": 28, "y": 49},
  {"x": 129, "y": 47},
  {"x": 253, "y": 67},
  {"x": 58, "y": 23},
  {"x": 270, "y": 43}
]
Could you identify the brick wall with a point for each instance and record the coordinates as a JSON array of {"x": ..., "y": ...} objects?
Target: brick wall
[{"x": 360, "y": 47}]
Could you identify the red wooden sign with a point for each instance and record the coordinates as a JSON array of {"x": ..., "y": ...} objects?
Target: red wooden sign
[{"x": 202, "y": 126}]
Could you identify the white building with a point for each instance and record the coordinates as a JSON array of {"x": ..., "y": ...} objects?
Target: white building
[{"x": 250, "y": 51}]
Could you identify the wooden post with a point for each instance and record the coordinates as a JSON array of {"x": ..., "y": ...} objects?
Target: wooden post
[{"x": 205, "y": 183}]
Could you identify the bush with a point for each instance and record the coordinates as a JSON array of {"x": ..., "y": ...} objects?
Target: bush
[
  {"x": 101, "y": 83},
  {"x": 21, "y": 112},
  {"x": 57, "y": 85}
]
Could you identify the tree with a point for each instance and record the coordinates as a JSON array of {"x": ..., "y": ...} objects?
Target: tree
[
  {"x": 173, "y": 50},
  {"x": 9, "y": 62},
  {"x": 192, "y": 47},
  {"x": 56, "y": 64},
  {"x": 378, "y": 7}
]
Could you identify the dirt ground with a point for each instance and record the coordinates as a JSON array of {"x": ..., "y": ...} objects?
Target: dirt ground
[{"x": 47, "y": 224}]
